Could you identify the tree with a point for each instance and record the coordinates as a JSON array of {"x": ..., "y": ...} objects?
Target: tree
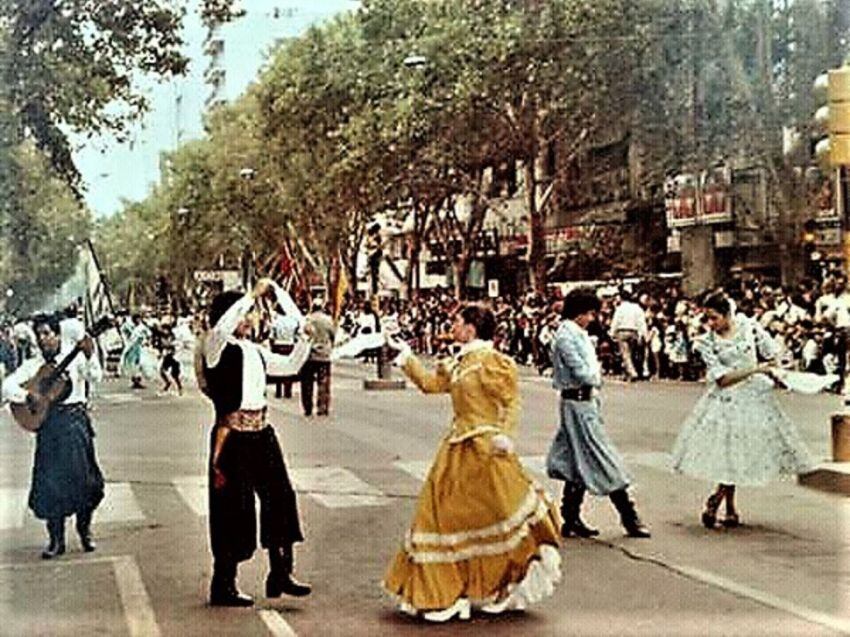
[{"x": 40, "y": 240}]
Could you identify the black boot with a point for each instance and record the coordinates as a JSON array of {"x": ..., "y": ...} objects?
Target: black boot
[
  {"x": 280, "y": 578},
  {"x": 56, "y": 531},
  {"x": 571, "y": 512},
  {"x": 84, "y": 531},
  {"x": 628, "y": 516},
  {"x": 223, "y": 590}
]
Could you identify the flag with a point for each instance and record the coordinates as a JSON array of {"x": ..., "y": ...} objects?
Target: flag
[
  {"x": 340, "y": 291},
  {"x": 97, "y": 305},
  {"x": 96, "y": 300}
]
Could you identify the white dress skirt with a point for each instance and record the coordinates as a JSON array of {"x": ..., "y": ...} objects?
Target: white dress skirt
[{"x": 739, "y": 435}]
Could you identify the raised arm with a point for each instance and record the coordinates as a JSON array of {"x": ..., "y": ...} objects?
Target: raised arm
[
  {"x": 285, "y": 302},
  {"x": 286, "y": 364},
  {"x": 436, "y": 382},
  {"x": 224, "y": 328}
]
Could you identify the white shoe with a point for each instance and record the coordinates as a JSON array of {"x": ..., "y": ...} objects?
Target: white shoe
[
  {"x": 461, "y": 608},
  {"x": 494, "y": 608}
]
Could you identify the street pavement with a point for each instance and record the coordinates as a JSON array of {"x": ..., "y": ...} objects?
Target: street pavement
[{"x": 785, "y": 572}]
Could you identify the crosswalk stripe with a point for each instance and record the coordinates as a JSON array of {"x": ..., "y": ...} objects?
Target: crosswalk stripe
[
  {"x": 652, "y": 459},
  {"x": 138, "y": 613},
  {"x": 119, "y": 504},
  {"x": 336, "y": 487},
  {"x": 193, "y": 490},
  {"x": 276, "y": 624},
  {"x": 416, "y": 468},
  {"x": 13, "y": 507},
  {"x": 332, "y": 487},
  {"x": 419, "y": 468}
]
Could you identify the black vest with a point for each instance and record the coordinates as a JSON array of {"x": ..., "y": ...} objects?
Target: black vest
[{"x": 224, "y": 381}]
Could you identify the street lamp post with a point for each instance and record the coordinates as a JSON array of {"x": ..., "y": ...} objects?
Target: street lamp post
[{"x": 246, "y": 174}]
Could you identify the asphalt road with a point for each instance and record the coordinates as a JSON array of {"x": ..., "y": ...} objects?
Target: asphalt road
[{"x": 785, "y": 572}]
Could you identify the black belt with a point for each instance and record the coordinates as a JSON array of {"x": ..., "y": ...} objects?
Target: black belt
[{"x": 577, "y": 393}]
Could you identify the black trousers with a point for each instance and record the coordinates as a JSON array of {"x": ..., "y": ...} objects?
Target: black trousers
[
  {"x": 252, "y": 464},
  {"x": 318, "y": 373}
]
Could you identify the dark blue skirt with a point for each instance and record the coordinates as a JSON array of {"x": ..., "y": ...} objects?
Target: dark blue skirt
[{"x": 65, "y": 477}]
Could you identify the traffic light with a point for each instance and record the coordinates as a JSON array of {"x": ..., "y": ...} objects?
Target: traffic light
[{"x": 832, "y": 90}]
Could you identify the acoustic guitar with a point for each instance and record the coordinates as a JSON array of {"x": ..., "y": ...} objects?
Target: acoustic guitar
[{"x": 51, "y": 385}]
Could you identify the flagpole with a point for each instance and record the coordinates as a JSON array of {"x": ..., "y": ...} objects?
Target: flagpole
[{"x": 102, "y": 278}]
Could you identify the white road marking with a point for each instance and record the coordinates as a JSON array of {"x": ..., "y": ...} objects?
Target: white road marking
[
  {"x": 193, "y": 490},
  {"x": 534, "y": 464},
  {"x": 119, "y": 505},
  {"x": 138, "y": 612},
  {"x": 416, "y": 468},
  {"x": 276, "y": 624},
  {"x": 652, "y": 459},
  {"x": 336, "y": 487},
  {"x": 118, "y": 398},
  {"x": 419, "y": 468},
  {"x": 13, "y": 507},
  {"x": 834, "y": 622}
]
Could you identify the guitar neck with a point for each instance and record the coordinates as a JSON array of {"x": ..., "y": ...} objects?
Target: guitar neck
[{"x": 63, "y": 364}]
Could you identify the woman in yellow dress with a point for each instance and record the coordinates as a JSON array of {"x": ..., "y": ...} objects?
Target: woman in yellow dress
[{"x": 484, "y": 533}]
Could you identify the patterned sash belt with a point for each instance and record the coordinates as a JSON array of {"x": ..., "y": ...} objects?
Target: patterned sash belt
[{"x": 244, "y": 420}]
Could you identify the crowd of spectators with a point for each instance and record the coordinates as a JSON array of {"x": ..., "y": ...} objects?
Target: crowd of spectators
[{"x": 645, "y": 330}]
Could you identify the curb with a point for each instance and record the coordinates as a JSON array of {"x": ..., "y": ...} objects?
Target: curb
[{"x": 830, "y": 477}]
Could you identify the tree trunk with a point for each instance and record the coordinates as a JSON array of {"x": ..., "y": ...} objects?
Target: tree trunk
[
  {"x": 536, "y": 231},
  {"x": 461, "y": 272}
]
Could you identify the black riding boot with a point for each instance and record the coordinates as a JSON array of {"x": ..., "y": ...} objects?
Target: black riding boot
[
  {"x": 280, "y": 578},
  {"x": 571, "y": 512},
  {"x": 84, "y": 531},
  {"x": 628, "y": 516},
  {"x": 223, "y": 590},
  {"x": 56, "y": 531}
]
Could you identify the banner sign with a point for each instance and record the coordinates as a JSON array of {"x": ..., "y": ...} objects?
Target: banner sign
[
  {"x": 692, "y": 199},
  {"x": 680, "y": 200},
  {"x": 716, "y": 199}
]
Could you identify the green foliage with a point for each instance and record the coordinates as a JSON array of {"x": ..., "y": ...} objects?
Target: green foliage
[
  {"x": 41, "y": 236},
  {"x": 404, "y": 105}
]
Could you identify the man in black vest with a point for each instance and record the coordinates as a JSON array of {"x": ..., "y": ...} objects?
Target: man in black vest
[{"x": 245, "y": 455}]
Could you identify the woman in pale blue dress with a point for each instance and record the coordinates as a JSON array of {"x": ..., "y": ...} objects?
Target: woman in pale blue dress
[{"x": 737, "y": 432}]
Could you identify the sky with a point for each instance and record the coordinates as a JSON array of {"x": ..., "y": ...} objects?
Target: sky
[{"x": 114, "y": 172}]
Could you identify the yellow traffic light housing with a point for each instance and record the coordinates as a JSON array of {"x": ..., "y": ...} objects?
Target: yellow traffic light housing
[{"x": 833, "y": 118}]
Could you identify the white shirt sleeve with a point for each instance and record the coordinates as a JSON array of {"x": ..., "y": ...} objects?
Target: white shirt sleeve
[
  {"x": 221, "y": 331},
  {"x": 288, "y": 364},
  {"x": 284, "y": 300},
  {"x": 616, "y": 319},
  {"x": 13, "y": 390},
  {"x": 90, "y": 369}
]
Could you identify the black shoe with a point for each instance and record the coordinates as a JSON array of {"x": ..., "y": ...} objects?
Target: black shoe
[
  {"x": 277, "y": 585},
  {"x": 577, "y": 528},
  {"x": 628, "y": 516},
  {"x": 230, "y": 597},
  {"x": 87, "y": 543},
  {"x": 56, "y": 545},
  {"x": 636, "y": 528},
  {"x": 53, "y": 549},
  {"x": 84, "y": 531}
]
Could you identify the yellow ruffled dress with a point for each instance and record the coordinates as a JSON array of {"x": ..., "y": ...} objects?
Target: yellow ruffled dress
[{"x": 483, "y": 529}]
